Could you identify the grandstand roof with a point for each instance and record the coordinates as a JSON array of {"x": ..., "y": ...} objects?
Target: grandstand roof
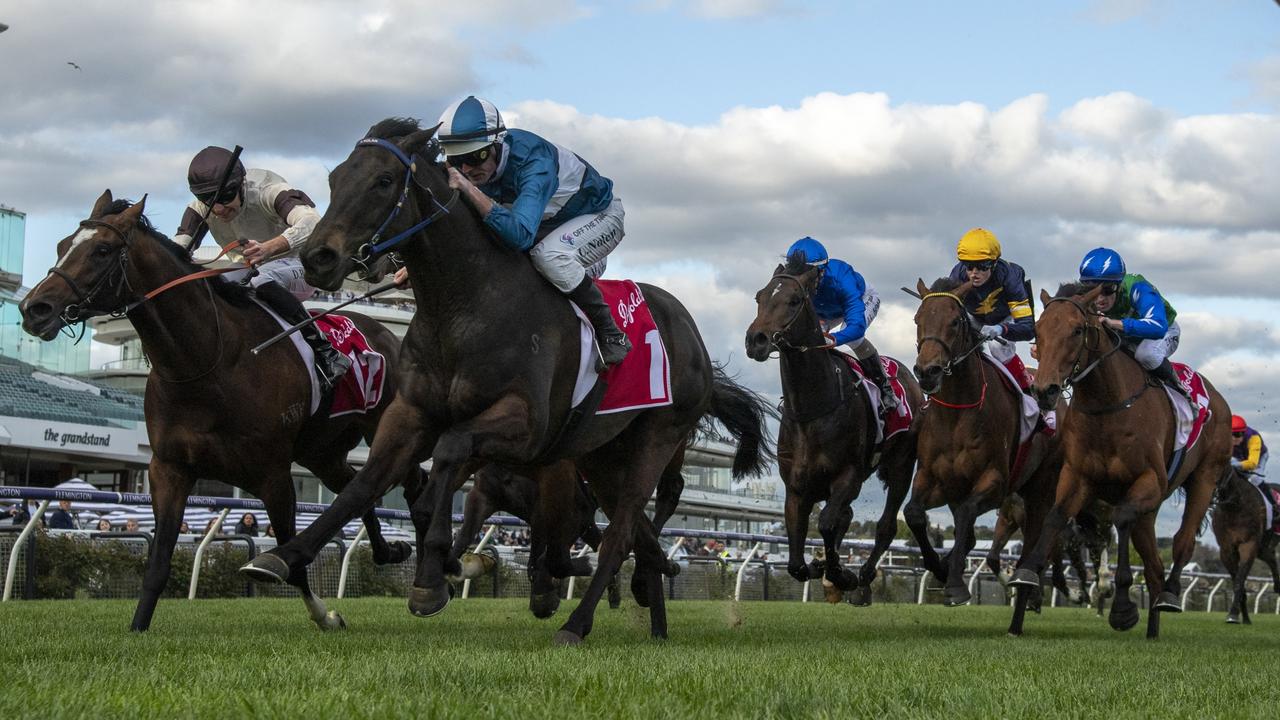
[{"x": 29, "y": 392}]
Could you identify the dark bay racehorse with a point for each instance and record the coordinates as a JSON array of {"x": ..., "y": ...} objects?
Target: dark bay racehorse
[
  {"x": 490, "y": 360},
  {"x": 1239, "y": 525},
  {"x": 1118, "y": 436},
  {"x": 213, "y": 409},
  {"x": 826, "y": 444},
  {"x": 969, "y": 437}
]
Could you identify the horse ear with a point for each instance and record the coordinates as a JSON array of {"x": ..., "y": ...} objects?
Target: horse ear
[
  {"x": 780, "y": 269},
  {"x": 1044, "y": 297},
  {"x": 133, "y": 212},
  {"x": 100, "y": 207},
  {"x": 921, "y": 287},
  {"x": 416, "y": 141}
]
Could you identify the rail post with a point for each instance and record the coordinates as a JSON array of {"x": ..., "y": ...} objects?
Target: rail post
[
  {"x": 573, "y": 579},
  {"x": 17, "y": 545},
  {"x": 1208, "y": 606},
  {"x": 924, "y": 580},
  {"x": 973, "y": 579},
  {"x": 1187, "y": 593},
  {"x": 195, "y": 562},
  {"x": 346, "y": 560},
  {"x": 466, "y": 584},
  {"x": 737, "y": 587},
  {"x": 1257, "y": 603}
]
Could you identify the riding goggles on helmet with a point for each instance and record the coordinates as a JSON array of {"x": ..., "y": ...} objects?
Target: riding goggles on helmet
[
  {"x": 473, "y": 158},
  {"x": 983, "y": 265},
  {"x": 227, "y": 197}
]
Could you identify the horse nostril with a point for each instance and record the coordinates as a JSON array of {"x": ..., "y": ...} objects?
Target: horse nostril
[
  {"x": 321, "y": 258},
  {"x": 37, "y": 311}
]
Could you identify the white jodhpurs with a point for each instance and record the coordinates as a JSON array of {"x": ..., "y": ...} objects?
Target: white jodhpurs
[
  {"x": 1003, "y": 352},
  {"x": 1150, "y": 353},
  {"x": 287, "y": 271},
  {"x": 579, "y": 248}
]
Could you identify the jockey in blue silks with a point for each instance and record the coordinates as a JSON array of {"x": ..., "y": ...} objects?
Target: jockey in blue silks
[
  {"x": 844, "y": 297},
  {"x": 542, "y": 199}
]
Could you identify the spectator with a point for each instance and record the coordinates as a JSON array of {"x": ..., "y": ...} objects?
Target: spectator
[
  {"x": 209, "y": 527},
  {"x": 248, "y": 525},
  {"x": 184, "y": 528},
  {"x": 19, "y": 513},
  {"x": 104, "y": 525},
  {"x": 62, "y": 519},
  {"x": 271, "y": 530},
  {"x": 131, "y": 525}
]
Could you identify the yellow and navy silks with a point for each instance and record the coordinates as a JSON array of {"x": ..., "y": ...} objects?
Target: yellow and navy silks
[{"x": 1002, "y": 300}]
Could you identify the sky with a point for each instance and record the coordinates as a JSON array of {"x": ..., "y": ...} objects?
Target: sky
[{"x": 730, "y": 128}]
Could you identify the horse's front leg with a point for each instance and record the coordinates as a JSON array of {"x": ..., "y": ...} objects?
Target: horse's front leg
[
  {"x": 796, "y": 512},
  {"x": 896, "y": 473},
  {"x": 170, "y": 485},
  {"x": 502, "y": 429},
  {"x": 833, "y": 523}
]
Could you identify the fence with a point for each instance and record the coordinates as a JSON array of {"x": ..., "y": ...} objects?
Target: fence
[{"x": 110, "y": 565}]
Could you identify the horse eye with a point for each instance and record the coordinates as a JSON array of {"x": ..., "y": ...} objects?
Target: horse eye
[
  {"x": 102, "y": 249},
  {"x": 1078, "y": 331},
  {"x": 385, "y": 180},
  {"x": 794, "y": 301}
]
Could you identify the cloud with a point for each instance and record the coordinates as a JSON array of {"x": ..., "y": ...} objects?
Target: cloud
[
  {"x": 722, "y": 9},
  {"x": 1114, "y": 12}
]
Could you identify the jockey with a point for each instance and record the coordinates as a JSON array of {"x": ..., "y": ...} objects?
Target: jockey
[
  {"x": 539, "y": 198},
  {"x": 1134, "y": 308},
  {"x": 844, "y": 297},
  {"x": 275, "y": 219},
  {"x": 999, "y": 298},
  {"x": 1248, "y": 451}
]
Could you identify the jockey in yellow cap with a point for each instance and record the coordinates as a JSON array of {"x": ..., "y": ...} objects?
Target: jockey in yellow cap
[{"x": 1000, "y": 298}]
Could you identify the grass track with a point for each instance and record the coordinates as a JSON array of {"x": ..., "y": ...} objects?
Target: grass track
[{"x": 485, "y": 658}]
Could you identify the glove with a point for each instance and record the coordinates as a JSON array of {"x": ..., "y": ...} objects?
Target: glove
[
  {"x": 991, "y": 332},
  {"x": 827, "y": 338},
  {"x": 1235, "y": 463}
]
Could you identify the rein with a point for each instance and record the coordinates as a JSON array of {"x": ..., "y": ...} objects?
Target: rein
[
  {"x": 953, "y": 359},
  {"x": 1078, "y": 374},
  {"x": 778, "y": 339},
  {"x": 376, "y": 245}
]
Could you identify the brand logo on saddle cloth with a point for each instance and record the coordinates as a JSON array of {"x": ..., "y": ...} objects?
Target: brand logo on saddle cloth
[
  {"x": 643, "y": 378},
  {"x": 896, "y": 421},
  {"x": 1272, "y": 496},
  {"x": 1190, "y": 420},
  {"x": 360, "y": 388}
]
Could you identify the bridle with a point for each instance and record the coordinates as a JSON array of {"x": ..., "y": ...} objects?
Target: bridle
[
  {"x": 778, "y": 339},
  {"x": 1077, "y": 373},
  {"x": 368, "y": 252},
  {"x": 953, "y": 359}
]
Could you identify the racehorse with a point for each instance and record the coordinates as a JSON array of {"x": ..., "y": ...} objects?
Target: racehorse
[
  {"x": 1118, "y": 438},
  {"x": 827, "y": 439},
  {"x": 970, "y": 436},
  {"x": 213, "y": 409},
  {"x": 1239, "y": 524},
  {"x": 490, "y": 361},
  {"x": 1089, "y": 531}
]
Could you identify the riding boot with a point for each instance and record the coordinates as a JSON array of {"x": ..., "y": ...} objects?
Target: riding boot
[
  {"x": 330, "y": 364},
  {"x": 1165, "y": 373},
  {"x": 611, "y": 341},
  {"x": 875, "y": 372}
]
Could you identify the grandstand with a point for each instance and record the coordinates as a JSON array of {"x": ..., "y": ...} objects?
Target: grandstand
[{"x": 28, "y": 392}]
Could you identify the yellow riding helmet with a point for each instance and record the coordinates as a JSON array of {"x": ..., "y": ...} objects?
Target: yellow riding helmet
[{"x": 978, "y": 244}]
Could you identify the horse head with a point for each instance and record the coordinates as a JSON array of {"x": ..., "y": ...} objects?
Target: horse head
[
  {"x": 89, "y": 277},
  {"x": 945, "y": 331},
  {"x": 380, "y": 196},
  {"x": 785, "y": 318},
  {"x": 1068, "y": 332}
]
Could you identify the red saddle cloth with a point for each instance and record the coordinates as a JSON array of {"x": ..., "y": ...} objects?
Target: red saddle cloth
[
  {"x": 1194, "y": 384},
  {"x": 360, "y": 388},
  {"x": 643, "y": 378},
  {"x": 1274, "y": 494},
  {"x": 897, "y": 420}
]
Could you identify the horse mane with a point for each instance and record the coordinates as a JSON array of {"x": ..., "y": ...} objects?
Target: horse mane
[
  {"x": 1072, "y": 289},
  {"x": 944, "y": 284},
  {"x": 796, "y": 264},
  {"x": 394, "y": 128},
  {"x": 234, "y": 293}
]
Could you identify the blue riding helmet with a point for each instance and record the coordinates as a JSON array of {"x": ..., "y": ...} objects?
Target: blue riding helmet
[
  {"x": 1102, "y": 265},
  {"x": 810, "y": 250},
  {"x": 469, "y": 125}
]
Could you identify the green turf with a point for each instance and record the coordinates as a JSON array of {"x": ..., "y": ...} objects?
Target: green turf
[{"x": 484, "y": 658}]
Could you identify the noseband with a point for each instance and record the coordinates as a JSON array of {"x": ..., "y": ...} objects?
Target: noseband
[
  {"x": 367, "y": 252},
  {"x": 954, "y": 359},
  {"x": 116, "y": 278}
]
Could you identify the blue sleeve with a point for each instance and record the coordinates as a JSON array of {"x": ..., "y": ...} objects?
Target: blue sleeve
[
  {"x": 1150, "y": 322},
  {"x": 537, "y": 178},
  {"x": 958, "y": 273},
  {"x": 851, "y": 288},
  {"x": 1020, "y": 325}
]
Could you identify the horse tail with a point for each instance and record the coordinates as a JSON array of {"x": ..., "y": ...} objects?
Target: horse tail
[{"x": 743, "y": 414}]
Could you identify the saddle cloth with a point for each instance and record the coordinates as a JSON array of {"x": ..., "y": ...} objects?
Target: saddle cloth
[
  {"x": 360, "y": 388},
  {"x": 643, "y": 378},
  {"x": 899, "y": 419},
  {"x": 1030, "y": 409},
  {"x": 1270, "y": 500},
  {"x": 1190, "y": 419}
]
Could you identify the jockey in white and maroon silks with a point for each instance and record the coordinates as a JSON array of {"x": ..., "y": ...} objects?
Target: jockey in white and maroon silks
[
  {"x": 539, "y": 198},
  {"x": 998, "y": 299},
  {"x": 274, "y": 220}
]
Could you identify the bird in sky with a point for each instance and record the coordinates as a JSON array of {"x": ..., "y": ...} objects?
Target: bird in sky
[{"x": 73, "y": 65}]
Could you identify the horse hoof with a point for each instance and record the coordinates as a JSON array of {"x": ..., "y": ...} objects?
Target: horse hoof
[
  {"x": 566, "y": 638},
  {"x": 831, "y": 593},
  {"x": 475, "y": 565},
  {"x": 544, "y": 605},
  {"x": 266, "y": 568},
  {"x": 615, "y": 597},
  {"x": 1023, "y": 577},
  {"x": 452, "y": 566},
  {"x": 799, "y": 572},
  {"x": 427, "y": 602},
  {"x": 673, "y": 569},
  {"x": 1167, "y": 602},
  {"x": 397, "y": 552},
  {"x": 861, "y": 597},
  {"x": 332, "y": 621},
  {"x": 956, "y": 596},
  {"x": 1123, "y": 618},
  {"x": 1233, "y": 619},
  {"x": 845, "y": 580}
]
